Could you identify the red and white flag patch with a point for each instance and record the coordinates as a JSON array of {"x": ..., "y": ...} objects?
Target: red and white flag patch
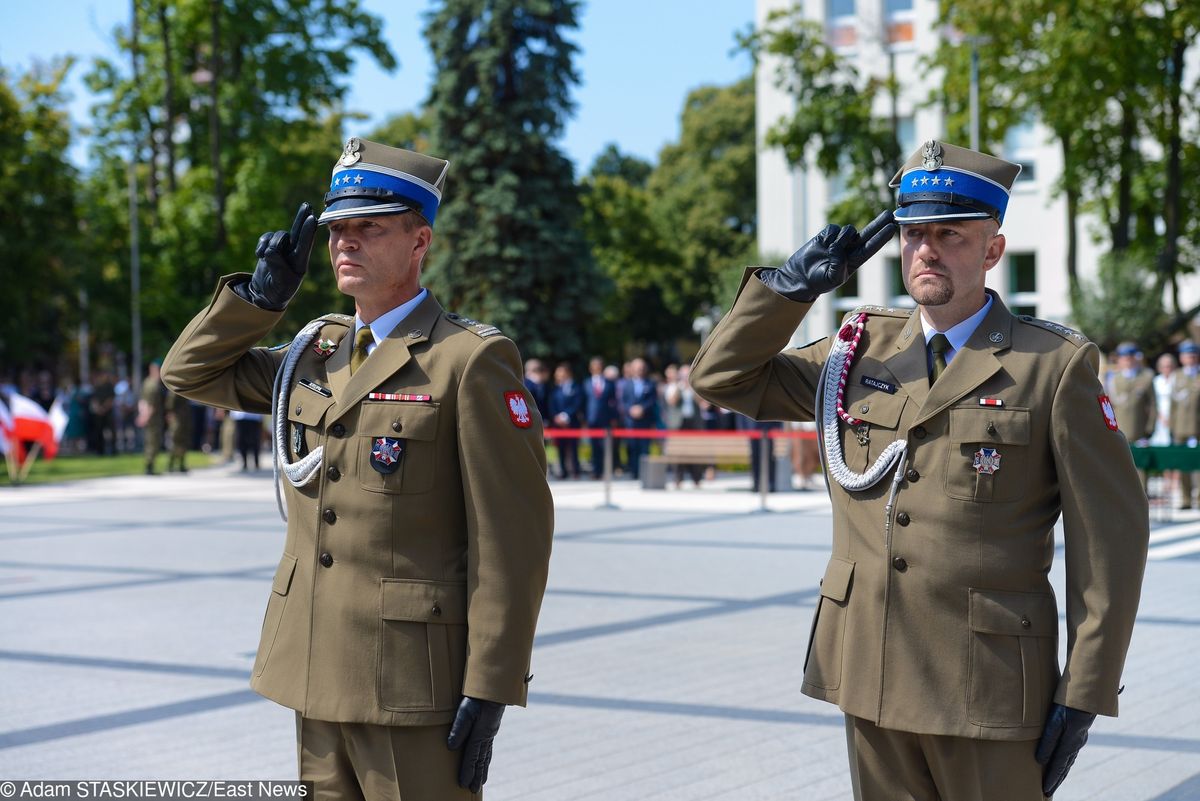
[
  {"x": 518, "y": 409},
  {"x": 1106, "y": 408}
]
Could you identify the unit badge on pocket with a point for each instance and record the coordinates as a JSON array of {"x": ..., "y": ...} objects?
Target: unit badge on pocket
[
  {"x": 386, "y": 453},
  {"x": 987, "y": 461}
]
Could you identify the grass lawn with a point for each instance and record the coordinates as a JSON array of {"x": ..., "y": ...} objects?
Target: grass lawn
[{"x": 71, "y": 468}]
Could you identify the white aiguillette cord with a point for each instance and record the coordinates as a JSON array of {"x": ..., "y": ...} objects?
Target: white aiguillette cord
[
  {"x": 303, "y": 471},
  {"x": 833, "y": 395}
]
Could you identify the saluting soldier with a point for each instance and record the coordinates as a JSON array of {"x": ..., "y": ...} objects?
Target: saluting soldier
[
  {"x": 401, "y": 617},
  {"x": 1131, "y": 389},
  {"x": 1184, "y": 421},
  {"x": 954, "y": 437}
]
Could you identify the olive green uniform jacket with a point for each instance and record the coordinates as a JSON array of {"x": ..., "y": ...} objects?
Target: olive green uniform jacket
[
  {"x": 1184, "y": 421},
  {"x": 396, "y": 593},
  {"x": 936, "y": 615},
  {"x": 1134, "y": 401}
]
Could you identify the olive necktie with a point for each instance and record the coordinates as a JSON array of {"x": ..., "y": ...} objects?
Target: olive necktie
[
  {"x": 362, "y": 339},
  {"x": 938, "y": 346}
]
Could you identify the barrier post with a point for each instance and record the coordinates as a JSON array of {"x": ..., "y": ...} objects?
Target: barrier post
[
  {"x": 764, "y": 468},
  {"x": 608, "y": 470}
]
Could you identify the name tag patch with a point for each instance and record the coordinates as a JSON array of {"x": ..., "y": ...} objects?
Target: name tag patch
[{"x": 875, "y": 383}]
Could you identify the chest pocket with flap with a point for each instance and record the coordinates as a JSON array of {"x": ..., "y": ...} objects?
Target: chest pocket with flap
[
  {"x": 305, "y": 411},
  {"x": 880, "y": 415},
  {"x": 987, "y": 459},
  {"x": 415, "y": 425}
]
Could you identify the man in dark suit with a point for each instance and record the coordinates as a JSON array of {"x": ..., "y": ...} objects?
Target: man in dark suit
[
  {"x": 600, "y": 409},
  {"x": 566, "y": 411},
  {"x": 639, "y": 400}
]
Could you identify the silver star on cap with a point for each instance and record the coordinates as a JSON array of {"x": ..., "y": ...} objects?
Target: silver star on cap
[
  {"x": 949, "y": 182},
  {"x": 936, "y": 181},
  {"x": 916, "y": 182},
  {"x": 925, "y": 180},
  {"x": 358, "y": 179}
]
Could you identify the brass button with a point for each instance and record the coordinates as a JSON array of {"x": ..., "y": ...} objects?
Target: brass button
[
  {"x": 864, "y": 409},
  {"x": 919, "y": 432},
  {"x": 903, "y": 519},
  {"x": 326, "y": 560},
  {"x": 415, "y": 333},
  {"x": 912, "y": 475},
  {"x": 396, "y": 426},
  {"x": 437, "y": 610},
  {"x": 1025, "y": 622},
  {"x": 329, "y": 516},
  {"x": 991, "y": 428},
  {"x": 299, "y": 408},
  {"x": 900, "y": 564},
  {"x": 333, "y": 473},
  {"x": 338, "y": 430}
]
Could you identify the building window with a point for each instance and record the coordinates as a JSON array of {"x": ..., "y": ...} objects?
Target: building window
[
  {"x": 842, "y": 28},
  {"x": 899, "y": 15},
  {"x": 838, "y": 8},
  {"x": 1022, "y": 283},
  {"x": 846, "y": 296},
  {"x": 1020, "y": 146},
  {"x": 906, "y": 135}
]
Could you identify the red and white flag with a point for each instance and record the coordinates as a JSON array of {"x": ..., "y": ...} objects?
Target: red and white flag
[{"x": 22, "y": 421}]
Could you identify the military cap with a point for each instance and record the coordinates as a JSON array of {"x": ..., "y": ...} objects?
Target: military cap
[
  {"x": 370, "y": 178},
  {"x": 1128, "y": 349},
  {"x": 945, "y": 182},
  {"x": 1188, "y": 346}
]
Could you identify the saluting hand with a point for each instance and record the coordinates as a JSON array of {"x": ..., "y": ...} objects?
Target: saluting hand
[
  {"x": 1065, "y": 733},
  {"x": 827, "y": 260},
  {"x": 474, "y": 728},
  {"x": 282, "y": 262}
]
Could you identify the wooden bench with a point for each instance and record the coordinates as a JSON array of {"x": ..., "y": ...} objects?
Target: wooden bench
[{"x": 720, "y": 451}]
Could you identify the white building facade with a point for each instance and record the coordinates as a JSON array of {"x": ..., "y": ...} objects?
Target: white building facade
[{"x": 793, "y": 202}]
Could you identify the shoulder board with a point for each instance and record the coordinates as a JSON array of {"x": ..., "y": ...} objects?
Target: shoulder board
[
  {"x": 341, "y": 319},
  {"x": 1069, "y": 334},
  {"x": 886, "y": 310},
  {"x": 475, "y": 327}
]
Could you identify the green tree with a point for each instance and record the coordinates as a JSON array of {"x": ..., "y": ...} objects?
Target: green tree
[
  {"x": 39, "y": 228},
  {"x": 832, "y": 119},
  {"x": 231, "y": 111},
  {"x": 615, "y": 164},
  {"x": 1121, "y": 302},
  {"x": 509, "y": 247},
  {"x": 702, "y": 194}
]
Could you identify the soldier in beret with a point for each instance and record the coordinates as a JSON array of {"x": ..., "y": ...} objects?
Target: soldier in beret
[
  {"x": 1184, "y": 421},
  {"x": 401, "y": 617},
  {"x": 1131, "y": 388},
  {"x": 954, "y": 437}
]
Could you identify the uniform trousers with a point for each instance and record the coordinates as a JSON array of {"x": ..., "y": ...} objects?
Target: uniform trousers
[
  {"x": 891, "y": 765},
  {"x": 368, "y": 762}
]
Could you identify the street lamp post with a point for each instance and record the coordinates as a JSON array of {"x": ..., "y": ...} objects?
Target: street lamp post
[{"x": 135, "y": 278}]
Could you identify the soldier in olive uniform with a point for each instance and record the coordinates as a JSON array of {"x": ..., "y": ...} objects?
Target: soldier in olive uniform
[
  {"x": 1184, "y": 422},
  {"x": 402, "y": 614},
  {"x": 179, "y": 430},
  {"x": 954, "y": 439},
  {"x": 151, "y": 415},
  {"x": 1131, "y": 389}
]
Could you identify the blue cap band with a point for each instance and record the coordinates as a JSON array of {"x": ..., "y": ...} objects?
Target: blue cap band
[
  {"x": 365, "y": 182},
  {"x": 974, "y": 195}
]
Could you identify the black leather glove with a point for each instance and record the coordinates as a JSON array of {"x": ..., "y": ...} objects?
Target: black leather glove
[
  {"x": 826, "y": 261},
  {"x": 474, "y": 728},
  {"x": 282, "y": 263},
  {"x": 1065, "y": 733}
]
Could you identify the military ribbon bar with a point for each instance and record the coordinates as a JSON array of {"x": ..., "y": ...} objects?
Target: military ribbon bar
[
  {"x": 398, "y": 396},
  {"x": 990, "y": 402}
]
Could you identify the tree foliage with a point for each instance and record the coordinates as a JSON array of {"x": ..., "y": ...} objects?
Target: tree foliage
[
  {"x": 40, "y": 224},
  {"x": 833, "y": 120},
  {"x": 509, "y": 246}
]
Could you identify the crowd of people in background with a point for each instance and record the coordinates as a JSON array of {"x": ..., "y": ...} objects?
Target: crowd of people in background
[{"x": 632, "y": 396}]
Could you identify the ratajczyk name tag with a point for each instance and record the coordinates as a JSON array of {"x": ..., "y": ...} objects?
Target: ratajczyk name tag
[{"x": 875, "y": 383}]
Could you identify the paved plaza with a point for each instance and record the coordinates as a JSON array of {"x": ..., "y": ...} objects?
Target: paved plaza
[{"x": 667, "y": 664}]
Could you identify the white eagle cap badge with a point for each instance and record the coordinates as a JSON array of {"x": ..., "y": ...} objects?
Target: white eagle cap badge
[
  {"x": 931, "y": 156},
  {"x": 350, "y": 153}
]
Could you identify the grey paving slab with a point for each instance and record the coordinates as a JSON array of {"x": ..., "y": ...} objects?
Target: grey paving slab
[{"x": 667, "y": 661}]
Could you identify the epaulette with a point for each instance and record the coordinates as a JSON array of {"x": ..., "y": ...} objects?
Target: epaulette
[
  {"x": 888, "y": 310},
  {"x": 1069, "y": 334},
  {"x": 475, "y": 327},
  {"x": 342, "y": 319}
]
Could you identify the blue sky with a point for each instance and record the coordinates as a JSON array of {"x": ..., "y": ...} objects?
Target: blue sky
[{"x": 637, "y": 61}]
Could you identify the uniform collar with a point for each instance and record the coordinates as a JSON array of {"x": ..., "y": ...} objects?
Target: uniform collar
[
  {"x": 960, "y": 333},
  {"x": 385, "y": 323}
]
